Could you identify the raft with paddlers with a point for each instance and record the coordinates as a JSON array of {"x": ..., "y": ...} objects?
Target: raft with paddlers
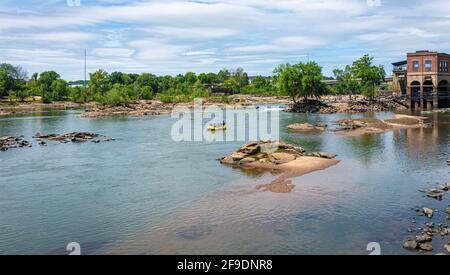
[{"x": 217, "y": 127}]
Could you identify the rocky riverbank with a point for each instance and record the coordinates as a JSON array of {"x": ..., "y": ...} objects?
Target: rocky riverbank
[
  {"x": 277, "y": 156},
  {"x": 331, "y": 105},
  {"x": 156, "y": 107},
  {"x": 422, "y": 241},
  {"x": 8, "y": 109},
  {"x": 10, "y": 142},
  {"x": 3, "y": 112},
  {"x": 138, "y": 108}
]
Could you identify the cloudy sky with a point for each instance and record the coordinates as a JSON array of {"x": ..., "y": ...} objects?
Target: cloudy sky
[{"x": 174, "y": 36}]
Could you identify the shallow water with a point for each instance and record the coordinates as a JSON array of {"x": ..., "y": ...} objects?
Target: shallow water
[{"x": 146, "y": 194}]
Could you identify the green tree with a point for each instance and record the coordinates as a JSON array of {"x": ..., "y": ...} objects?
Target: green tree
[
  {"x": 59, "y": 90},
  {"x": 117, "y": 78},
  {"x": 260, "y": 82},
  {"x": 290, "y": 81},
  {"x": 369, "y": 75},
  {"x": 302, "y": 80},
  {"x": 347, "y": 81},
  {"x": 190, "y": 78},
  {"x": 12, "y": 79},
  {"x": 223, "y": 75},
  {"x": 6, "y": 83},
  {"x": 45, "y": 82},
  {"x": 312, "y": 85},
  {"x": 239, "y": 79},
  {"x": 148, "y": 80},
  {"x": 99, "y": 83}
]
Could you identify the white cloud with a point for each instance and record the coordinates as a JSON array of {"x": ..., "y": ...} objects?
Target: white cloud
[
  {"x": 113, "y": 52},
  {"x": 197, "y": 53},
  {"x": 283, "y": 44},
  {"x": 175, "y": 36}
]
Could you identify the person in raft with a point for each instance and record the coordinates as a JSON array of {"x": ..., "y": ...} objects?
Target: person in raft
[{"x": 216, "y": 125}]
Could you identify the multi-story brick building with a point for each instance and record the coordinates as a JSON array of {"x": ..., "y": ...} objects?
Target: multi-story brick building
[{"x": 423, "y": 79}]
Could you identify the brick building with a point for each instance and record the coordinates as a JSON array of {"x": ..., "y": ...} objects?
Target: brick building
[{"x": 423, "y": 78}]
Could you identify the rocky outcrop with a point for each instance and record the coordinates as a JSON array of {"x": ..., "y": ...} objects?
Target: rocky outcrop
[
  {"x": 292, "y": 160},
  {"x": 10, "y": 142},
  {"x": 423, "y": 241},
  {"x": 345, "y": 105},
  {"x": 311, "y": 106},
  {"x": 138, "y": 108},
  {"x": 76, "y": 137},
  {"x": 360, "y": 126},
  {"x": 307, "y": 127},
  {"x": 264, "y": 152}
]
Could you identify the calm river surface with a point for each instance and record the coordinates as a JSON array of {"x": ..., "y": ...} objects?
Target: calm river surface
[{"x": 146, "y": 194}]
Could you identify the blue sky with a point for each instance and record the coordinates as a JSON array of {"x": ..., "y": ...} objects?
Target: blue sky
[{"x": 174, "y": 36}]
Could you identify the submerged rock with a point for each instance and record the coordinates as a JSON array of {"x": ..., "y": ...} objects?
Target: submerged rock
[
  {"x": 75, "y": 137},
  {"x": 10, "y": 142}
]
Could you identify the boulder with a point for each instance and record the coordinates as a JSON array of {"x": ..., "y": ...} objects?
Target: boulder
[
  {"x": 280, "y": 158},
  {"x": 247, "y": 160},
  {"x": 327, "y": 155},
  {"x": 447, "y": 247},
  {"x": 445, "y": 187},
  {"x": 238, "y": 156},
  {"x": 426, "y": 246},
  {"x": 227, "y": 160},
  {"x": 428, "y": 212},
  {"x": 410, "y": 244},
  {"x": 301, "y": 127},
  {"x": 423, "y": 238}
]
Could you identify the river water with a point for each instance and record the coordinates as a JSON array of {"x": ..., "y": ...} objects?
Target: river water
[{"x": 147, "y": 194}]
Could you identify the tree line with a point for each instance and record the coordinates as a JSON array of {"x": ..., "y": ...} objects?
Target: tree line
[{"x": 300, "y": 81}]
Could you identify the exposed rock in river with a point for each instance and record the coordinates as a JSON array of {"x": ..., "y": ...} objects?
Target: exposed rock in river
[
  {"x": 311, "y": 106},
  {"x": 9, "y": 142},
  {"x": 344, "y": 105},
  {"x": 361, "y": 126},
  {"x": 307, "y": 126},
  {"x": 77, "y": 137},
  {"x": 428, "y": 212},
  {"x": 273, "y": 155},
  {"x": 138, "y": 108}
]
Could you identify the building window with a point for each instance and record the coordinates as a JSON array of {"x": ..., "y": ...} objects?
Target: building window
[
  {"x": 443, "y": 67},
  {"x": 415, "y": 65},
  {"x": 428, "y": 65}
]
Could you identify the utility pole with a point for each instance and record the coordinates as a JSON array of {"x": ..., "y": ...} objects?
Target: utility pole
[{"x": 84, "y": 84}]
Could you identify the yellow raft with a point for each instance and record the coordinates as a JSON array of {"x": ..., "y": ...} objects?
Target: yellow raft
[{"x": 215, "y": 128}]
